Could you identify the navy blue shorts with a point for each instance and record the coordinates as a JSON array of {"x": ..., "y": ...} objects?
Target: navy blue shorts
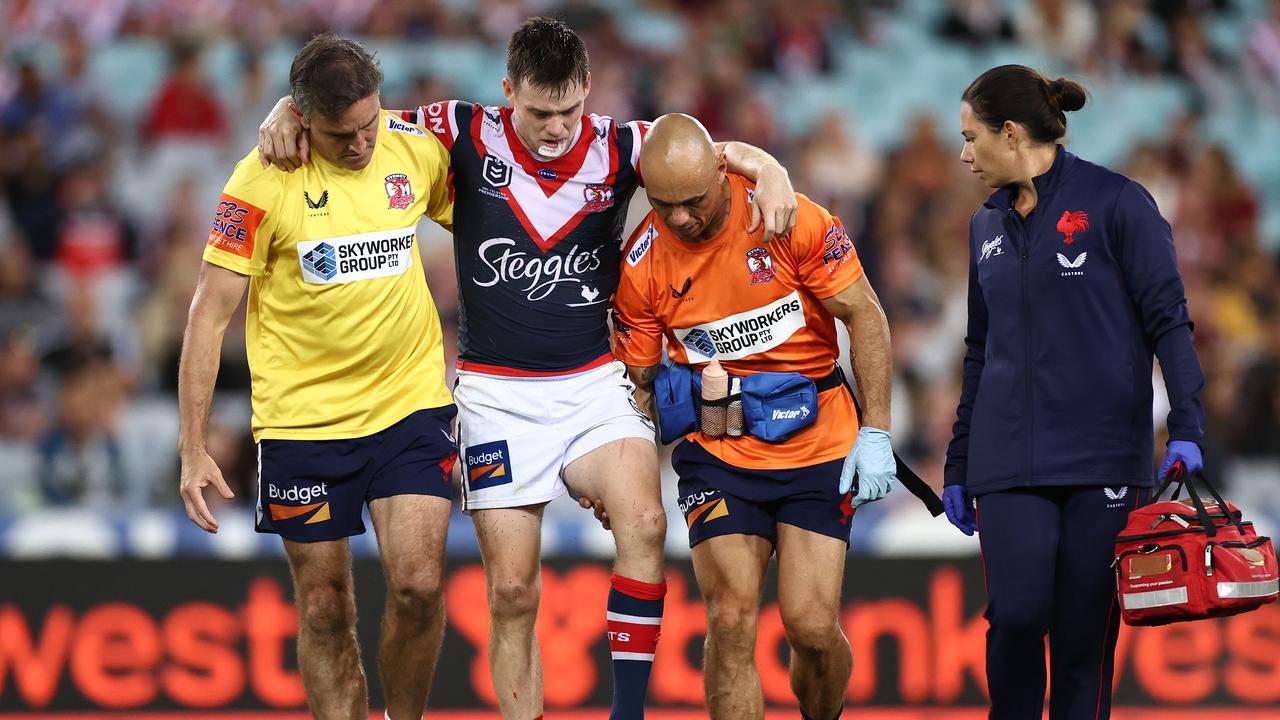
[
  {"x": 722, "y": 499},
  {"x": 314, "y": 490}
]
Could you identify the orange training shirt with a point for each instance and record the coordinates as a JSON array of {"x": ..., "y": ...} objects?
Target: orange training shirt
[{"x": 755, "y": 306}]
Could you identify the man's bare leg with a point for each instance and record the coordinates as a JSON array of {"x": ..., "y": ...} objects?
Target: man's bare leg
[
  {"x": 810, "y": 576},
  {"x": 730, "y": 571},
  {"x": 621, "y": 479},
  {"x": 511, "y": 547},
  {"x": 411, "y": 538},
  {"x": 328, "y": 654},
  {"x": 623, "y": 476}
]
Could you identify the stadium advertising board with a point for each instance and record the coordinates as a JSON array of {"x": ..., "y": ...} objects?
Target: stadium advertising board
[{"x": 204, "y": 636}]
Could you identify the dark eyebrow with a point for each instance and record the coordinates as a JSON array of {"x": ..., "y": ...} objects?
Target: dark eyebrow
[
  {"x": 690, "y": 201},
  {"x": 539, "y": 110},
  {"x": 673, "y": 203}
]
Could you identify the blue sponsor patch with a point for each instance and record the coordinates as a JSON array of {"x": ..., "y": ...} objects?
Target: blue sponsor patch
[{"x": 488, "y": 465}]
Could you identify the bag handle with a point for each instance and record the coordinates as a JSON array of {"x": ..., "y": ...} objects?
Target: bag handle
[{"x": 1179, "y": 477}]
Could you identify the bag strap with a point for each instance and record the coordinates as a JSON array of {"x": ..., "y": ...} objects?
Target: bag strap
[
  {"x": 908, "y": 477},
  {"x": 1203, "y": 480},
  {"x": 1179, "y": 478}
]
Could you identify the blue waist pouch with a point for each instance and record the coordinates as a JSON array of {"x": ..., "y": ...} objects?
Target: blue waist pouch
[
  {"x": 775, "y": 405},
  {"x": 675, "y": 390}
]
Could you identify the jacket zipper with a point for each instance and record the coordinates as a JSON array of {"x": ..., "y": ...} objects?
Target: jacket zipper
[{"x": 1024, "y": 242}]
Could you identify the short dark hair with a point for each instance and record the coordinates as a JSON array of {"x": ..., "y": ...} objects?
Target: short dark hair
[
  {"x": 1027, "y": 97},
  {"x": 331, "y": 73},
  {"x": 546, "y": 53}
]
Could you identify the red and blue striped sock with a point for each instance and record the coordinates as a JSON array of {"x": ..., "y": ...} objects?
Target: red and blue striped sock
[{"x": 634, "y": 615}]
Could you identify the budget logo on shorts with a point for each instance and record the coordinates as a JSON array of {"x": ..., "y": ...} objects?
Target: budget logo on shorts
[
  {"x": 322, "y": 261},
  {"x": 303, "y": 500},
  {"x": 399, "y": 191},
  {"x": 699, "y": 341},
  {"x": 704, "y": 506},
  {"x": 488, "y": 465}
]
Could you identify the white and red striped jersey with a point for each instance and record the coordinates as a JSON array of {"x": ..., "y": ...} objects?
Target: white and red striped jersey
[{"x": 537, "y": 243}]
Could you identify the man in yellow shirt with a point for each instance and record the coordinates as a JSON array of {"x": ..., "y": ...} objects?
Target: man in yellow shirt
[{"x": 344, "y": 346}]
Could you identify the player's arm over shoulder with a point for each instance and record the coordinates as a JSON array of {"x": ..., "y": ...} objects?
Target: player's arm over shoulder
[
  {"x": 432, "y": 159},
  {"x": 445, "y": 119}
]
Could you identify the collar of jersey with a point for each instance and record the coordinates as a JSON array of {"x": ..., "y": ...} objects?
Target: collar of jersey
[
  {"x": 565, "y": 167},
  {"x": 1045, "y": 184}
]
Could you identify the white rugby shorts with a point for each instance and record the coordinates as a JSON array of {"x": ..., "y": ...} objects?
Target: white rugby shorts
[{"x": 516, "y": 435}]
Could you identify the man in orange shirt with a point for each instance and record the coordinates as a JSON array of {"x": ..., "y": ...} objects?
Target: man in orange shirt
[{"x": 695, "y": 274}]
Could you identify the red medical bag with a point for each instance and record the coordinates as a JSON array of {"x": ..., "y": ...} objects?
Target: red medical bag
[{"x": 1180, "y": 560}]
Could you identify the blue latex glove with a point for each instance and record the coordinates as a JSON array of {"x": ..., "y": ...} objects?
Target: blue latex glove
[
  {"x": 872, "y": 461},
  {"x": 1186, "y": 451},
  {"x": 959, "y": 509}
]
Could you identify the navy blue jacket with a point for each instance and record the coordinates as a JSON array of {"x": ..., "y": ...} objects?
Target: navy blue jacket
[{"x": 1066, "y": 309}]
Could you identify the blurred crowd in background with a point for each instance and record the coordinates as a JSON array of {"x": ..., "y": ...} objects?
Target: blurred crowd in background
[{"x": 121, "y": 119}]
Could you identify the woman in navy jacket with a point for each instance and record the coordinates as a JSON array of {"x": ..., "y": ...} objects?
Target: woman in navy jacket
[{"x": 1073, "y": 288}]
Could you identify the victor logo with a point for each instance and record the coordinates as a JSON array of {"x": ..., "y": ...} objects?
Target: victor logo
[
  {"x": 801, "y": 413},
  {"x": 641, "y": 248},
  {"x": 395, "y": 125}
]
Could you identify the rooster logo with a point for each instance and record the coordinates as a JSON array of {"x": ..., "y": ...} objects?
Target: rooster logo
[{"x": 1071, "y": 223}]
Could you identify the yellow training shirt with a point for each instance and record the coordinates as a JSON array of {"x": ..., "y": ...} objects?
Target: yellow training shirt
[{"x": 343, "y": 336}]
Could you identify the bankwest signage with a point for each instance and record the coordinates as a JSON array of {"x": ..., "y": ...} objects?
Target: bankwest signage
[{"x": 206, "y": 635}]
